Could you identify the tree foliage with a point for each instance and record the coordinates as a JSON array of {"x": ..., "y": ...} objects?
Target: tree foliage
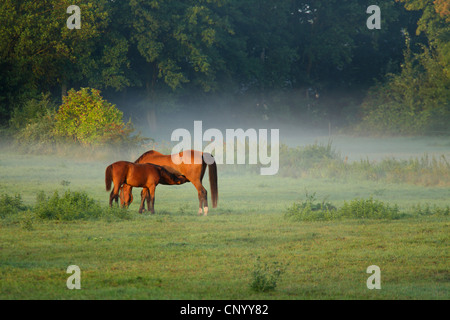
[
  {"x": 434, "y": 22},
  {"x": 417, "y": 100},
  {"x": 286, "y": 53}
]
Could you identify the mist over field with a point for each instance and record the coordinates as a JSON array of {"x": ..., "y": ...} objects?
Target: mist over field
[{"x": 353, "y": 146}]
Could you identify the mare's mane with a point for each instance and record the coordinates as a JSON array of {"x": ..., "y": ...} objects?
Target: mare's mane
[{"x": 146, "y": 153}]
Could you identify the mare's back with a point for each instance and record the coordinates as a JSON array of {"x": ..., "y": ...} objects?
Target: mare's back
[{"x": 150, "y": 156}]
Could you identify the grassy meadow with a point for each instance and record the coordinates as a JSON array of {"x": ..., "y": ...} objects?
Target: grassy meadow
[{"x": 176, "y": 254}]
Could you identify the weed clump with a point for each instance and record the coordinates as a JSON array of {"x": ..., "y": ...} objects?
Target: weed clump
[{"x": 265, "y": 277}]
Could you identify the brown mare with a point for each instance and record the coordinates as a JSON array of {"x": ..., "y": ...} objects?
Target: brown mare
[
  {"x": 142, "y": 175},
  {"x": 193, "y": 167}
]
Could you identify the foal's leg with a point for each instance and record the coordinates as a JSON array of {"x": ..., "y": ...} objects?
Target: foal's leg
[
  {"x": 114, "y": 195},
  {"x": 141, "y": 208},
  {"x": 122, "y": 197},
  {"x": 145, "y": 195},
  {"x": 151, "y": 199},
  {"x": 111, "y": 198}
]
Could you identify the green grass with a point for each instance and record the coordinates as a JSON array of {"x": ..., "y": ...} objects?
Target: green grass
[
  {"x": 176, "y": 254},
  {"x": 188, "y": 257}
]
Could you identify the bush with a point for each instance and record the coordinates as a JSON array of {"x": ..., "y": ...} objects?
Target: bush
[
  {"x": 87, "y": 118},
  {"x": 83, "y": 119},
  {"x": 33, "y": 124},
  {"x": 11, "y": 205},
  {"x": 74, "y": 206},
  {"x": 37, "y": 135},
  {"x": 310, "y": 210},
  {"x": 369, "y": 209},
  {"x": 71, "y": 206},
  {"x": 32, "y": 111},
  {"x": 427, "y": 210}
]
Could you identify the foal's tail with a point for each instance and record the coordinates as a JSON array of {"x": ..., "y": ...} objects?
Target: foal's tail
[
  {"x": 213, "y": 183},
  {"x": 108, "y": 177}
]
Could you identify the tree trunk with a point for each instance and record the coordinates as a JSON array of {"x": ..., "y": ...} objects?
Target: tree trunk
[
  {"x": 151, "y": 119},
  {"x": 151, "y": 112},
  {"x": 150, "y": 88}
]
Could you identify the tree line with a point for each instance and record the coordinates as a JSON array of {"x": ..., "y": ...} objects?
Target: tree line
[{"x": 313, "y": 59}]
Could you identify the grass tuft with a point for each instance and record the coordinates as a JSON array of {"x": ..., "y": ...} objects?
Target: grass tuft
[{"x": 265, "y": 277}]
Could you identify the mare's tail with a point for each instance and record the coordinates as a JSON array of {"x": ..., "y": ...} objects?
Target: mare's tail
[
  {"x": 213, "y": 183},
  {"x": 108, "y": 177}
]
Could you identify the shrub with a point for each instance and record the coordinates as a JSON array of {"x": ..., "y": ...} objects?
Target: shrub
[
  {"x": 70, "y": 206},
  {"x": 265, "y": 277},
  {"x": 369, "y": 209},
  {"x": 37, "y": 135},
  {"x": 310, "y": 210},
  {"x": 427, "y": 210},
  {"x": 31, "y": 111},
  {"x": 84, "y": 118},
  {"x": 87, "y": 118},
  {"x": 11, "y": 205},
  {"x": 74, "y": 206},
  {"x": 34, "y": 123}
]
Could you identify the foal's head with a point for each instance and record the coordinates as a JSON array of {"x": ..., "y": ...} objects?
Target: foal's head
[{"x": 172, "y": 176}]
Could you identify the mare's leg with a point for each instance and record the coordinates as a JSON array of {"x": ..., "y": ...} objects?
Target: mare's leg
[{"x": 202, "y": 198}]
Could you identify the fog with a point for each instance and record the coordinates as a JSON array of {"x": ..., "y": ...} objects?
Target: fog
[{"x": 292, "y": 133}]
